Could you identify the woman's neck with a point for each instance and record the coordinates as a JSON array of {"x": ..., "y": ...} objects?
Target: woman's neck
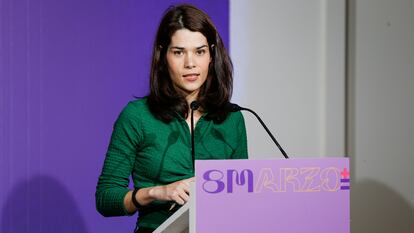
[
  {"x": 191, "y": 97},
  {"x": 197, "y": 113}
]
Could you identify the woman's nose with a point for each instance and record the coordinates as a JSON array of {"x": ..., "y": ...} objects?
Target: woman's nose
[{"x": 189, "y": 62}]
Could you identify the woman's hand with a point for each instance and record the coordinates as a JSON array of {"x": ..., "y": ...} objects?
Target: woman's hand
[{"x": 177, "y": 191}]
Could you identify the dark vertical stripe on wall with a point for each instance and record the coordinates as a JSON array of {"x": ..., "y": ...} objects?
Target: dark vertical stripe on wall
[
  {"x": 346, "y": 75},
  {"x": 350, "y": 80},
  {"x": 5, "y": 50},
  {"x": 67, "y": 68}
]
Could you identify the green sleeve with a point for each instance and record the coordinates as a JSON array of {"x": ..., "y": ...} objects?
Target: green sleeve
[
  {"x": 241, "y": 149},
  {"x": 119, "y": 161}
]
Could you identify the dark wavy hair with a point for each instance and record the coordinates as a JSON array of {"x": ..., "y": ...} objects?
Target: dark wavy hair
[{"x": 164, "y": 101}]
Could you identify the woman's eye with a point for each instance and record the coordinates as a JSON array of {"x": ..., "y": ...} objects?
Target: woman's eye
[
  {"x": 201, "y": 52},
  {"x": 177, "y": 52}
]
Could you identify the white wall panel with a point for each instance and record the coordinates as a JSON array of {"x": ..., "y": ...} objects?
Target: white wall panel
[
  {"x": 289, "y": 67},
  {"x": 382, "y": 112}
]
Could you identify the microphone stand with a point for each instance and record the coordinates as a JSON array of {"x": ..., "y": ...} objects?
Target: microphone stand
[
  {"x": 194, "y": 106},
  {"x": 234, "y": 108}
]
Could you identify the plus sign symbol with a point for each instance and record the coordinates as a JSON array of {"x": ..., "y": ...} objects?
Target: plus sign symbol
[
  {"x": 345, "y": 173},
  {"x": 345, "y": 179}
]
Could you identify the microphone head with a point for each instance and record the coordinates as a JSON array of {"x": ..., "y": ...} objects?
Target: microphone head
[
  {"x": 233, "y": 107},
  {"x": 194, "y": 105}
]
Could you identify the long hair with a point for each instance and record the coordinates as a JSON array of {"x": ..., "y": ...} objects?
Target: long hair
[{"x": 164, "y": 100}]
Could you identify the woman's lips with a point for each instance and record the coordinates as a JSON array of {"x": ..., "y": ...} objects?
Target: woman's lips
[{"x": 191, "y": 77}]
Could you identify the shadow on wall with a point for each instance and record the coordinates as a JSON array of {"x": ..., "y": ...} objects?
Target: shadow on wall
[
  {"x": 376, "y": 208},
  {"x": 41, "y": 205}
]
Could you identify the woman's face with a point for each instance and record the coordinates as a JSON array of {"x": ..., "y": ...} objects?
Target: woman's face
[{"x": 188, "y": 59}]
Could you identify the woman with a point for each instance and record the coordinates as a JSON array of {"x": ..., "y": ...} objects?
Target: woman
[{"x": 151, "y": 138}]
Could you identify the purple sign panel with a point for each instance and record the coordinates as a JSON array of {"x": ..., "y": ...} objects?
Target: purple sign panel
[{"x": 290, "y": 196}]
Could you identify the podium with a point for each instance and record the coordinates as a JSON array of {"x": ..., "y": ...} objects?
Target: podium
[{"x": 266, "y": 196}]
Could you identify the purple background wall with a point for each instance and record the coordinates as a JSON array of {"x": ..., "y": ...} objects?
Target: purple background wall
[{"x": 66, "y": 70}]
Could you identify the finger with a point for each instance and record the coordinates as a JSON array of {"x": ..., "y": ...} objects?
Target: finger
[
  {"x": 186, "y": 187},
  {"x": 180, "y": 194},
  {"x": 184, "y": 196},
  {"x": 179, "y": 200}
]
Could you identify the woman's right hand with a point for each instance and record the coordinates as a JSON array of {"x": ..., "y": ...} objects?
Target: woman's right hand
[{"x": 177, "y": 191}]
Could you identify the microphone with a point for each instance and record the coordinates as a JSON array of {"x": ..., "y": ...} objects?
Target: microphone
[
  {"x": 194, "y": 106},
  {"x": 235, "y": 108}
]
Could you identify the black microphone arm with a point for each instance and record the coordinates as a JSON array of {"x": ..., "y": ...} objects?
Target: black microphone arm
[
  {"x": 194, "y": 106},
  {"x": 234, "y": 108}
]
